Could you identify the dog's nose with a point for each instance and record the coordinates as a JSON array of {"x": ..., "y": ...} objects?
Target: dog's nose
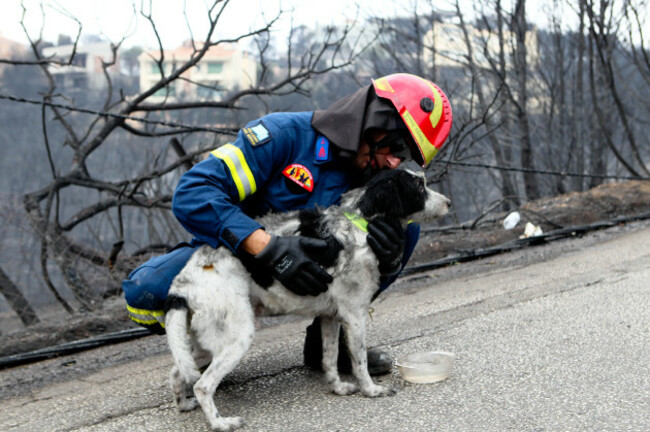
[{"x": 448, "y": 203}]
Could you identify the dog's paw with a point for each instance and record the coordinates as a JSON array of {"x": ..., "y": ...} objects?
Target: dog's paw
[
  {"x": 378, "y": 391},
  {"x": 187, "y": 404},
  {"x": 224, "y": 424},
  {"x": 345, "y": 388}
]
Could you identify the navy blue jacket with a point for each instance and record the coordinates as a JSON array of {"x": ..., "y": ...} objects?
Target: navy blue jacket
[{"x": 278, "y": 163}]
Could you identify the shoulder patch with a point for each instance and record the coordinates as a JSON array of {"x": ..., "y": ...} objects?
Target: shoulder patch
[
  {"x": 300, "y": 175},
  {"x": 322, "y": 149},
  {"x": 257, "y": 134}
]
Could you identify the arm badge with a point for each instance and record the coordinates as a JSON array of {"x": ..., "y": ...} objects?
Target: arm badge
[
  {"x": 300, "y": 175},
  {"x": 257, "y": 134}
]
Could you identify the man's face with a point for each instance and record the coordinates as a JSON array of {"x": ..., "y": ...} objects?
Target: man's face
[{"x": 383, "y": 157}]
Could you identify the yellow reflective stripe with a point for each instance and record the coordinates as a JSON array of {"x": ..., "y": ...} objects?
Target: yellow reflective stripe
[
  {"x": 147, "y": 317},
  {"x": 145, "y": 311},
  {"x": 239, "y": 169},
  {"x": 148, "y": 322},
  {"x": 436, "y": 114},
  {"x": 382, "y": 84},
  {"x": 427, "y": 148}
]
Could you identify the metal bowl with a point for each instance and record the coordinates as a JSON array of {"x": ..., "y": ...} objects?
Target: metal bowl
[{"x": 425, "y": 367}]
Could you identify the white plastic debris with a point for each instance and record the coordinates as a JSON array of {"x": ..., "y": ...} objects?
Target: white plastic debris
[
  {"x": 531, "y": 231},
  {"x": 511, "y": 220}
]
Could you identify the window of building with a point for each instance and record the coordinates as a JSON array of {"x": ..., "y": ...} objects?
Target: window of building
[
  {"x": 215, "y": 67},
  {"x": 79, "y": 60},
  {"x": 168, "y": 68},
  {"x": 207, "y": 93},
  {"x": 79, "y": 82}
]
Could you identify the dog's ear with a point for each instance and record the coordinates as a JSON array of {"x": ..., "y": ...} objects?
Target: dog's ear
[{"x": 394, "y": 193}]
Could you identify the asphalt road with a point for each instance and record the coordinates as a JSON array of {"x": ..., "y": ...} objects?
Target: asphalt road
[{"x": 551, "y": 338}]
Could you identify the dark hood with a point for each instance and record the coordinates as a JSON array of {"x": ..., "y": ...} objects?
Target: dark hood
[{"x": 347, "y": 120}]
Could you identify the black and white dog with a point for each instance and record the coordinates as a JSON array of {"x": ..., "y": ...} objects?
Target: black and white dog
[{"x": 210, "y": 320}]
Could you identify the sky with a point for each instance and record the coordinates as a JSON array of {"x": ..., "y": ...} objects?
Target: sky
[{"x": 115, "y": 19}]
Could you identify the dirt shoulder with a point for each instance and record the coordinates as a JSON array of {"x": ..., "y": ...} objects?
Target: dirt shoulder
[{"x": 605, "y": 202}]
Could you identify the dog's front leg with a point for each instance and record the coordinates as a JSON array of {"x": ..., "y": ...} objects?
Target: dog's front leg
[
  {"x": 330, "y": 328},
  {"x": 355, "y": 334}
]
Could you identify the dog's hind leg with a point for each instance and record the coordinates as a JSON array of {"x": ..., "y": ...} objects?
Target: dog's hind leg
[
  {"x": 330, "y": 328},
  {"x": 355, "y": 334},
  {"x": 206, "y": 386},
  {"x": 227, "y": 341}
]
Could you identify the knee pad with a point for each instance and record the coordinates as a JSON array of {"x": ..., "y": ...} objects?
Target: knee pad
[{"x": 146, "y": 288}]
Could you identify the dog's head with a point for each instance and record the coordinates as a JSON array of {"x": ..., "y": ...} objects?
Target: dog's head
[{"x": 402, "y": 194}]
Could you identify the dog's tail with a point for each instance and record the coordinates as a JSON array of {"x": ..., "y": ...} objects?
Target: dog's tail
[{"x": 176, "y": 321}]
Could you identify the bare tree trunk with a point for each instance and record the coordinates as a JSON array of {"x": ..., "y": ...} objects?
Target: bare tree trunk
[
  {"x": 16, "y": 300},
  {"x": 560, "y": 187},
  {"x": 499, "y": 147},
  {"x": 578, "y": 111},
  {"x": 597, "y": 149},
  {"x": 519, "y": 27},
  {"x": 604, "y": 39},
  {"x": 510, "y": 190}
]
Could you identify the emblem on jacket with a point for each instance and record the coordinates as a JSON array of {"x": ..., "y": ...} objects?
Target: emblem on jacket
[
  {"x": 322, "y": 149},
  {"x": 300, "y": 175},
  {"x": 257, "y": 134}
]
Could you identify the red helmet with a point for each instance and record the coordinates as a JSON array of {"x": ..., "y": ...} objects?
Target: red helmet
[{"x": 423, "y": 107}]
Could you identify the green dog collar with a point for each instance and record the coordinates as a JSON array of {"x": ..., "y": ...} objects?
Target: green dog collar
[{"x": 358, "y": 221}]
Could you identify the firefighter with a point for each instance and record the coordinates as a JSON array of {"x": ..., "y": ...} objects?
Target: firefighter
[{"x": 291, "y": 161}]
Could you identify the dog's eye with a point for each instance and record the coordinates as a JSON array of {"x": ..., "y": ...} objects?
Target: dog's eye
[{"x": 421, "y": 187}]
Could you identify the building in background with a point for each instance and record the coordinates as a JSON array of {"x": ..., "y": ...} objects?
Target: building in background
[
  {"x": 10, "y": 50},
  {"x": 223, "y": 68},
  {"x": 84, "y": 70},
  {"x": 445, "y": 45}
]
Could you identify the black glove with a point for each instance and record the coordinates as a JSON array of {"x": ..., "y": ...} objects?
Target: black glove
[
  {"x": 291, "y": 261},
  {"x": 387, "y": 238}
]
